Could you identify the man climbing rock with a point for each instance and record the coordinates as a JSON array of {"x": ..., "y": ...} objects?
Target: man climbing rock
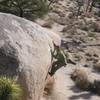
[{"x": 59, "y": 59}]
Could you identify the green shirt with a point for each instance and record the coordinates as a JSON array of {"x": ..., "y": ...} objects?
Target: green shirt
[{"x": 60, "y": 55}]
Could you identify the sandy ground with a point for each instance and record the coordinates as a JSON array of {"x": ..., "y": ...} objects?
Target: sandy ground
[{"x": 66, "y": 86}]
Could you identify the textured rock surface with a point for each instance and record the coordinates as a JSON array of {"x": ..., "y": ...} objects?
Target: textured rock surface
[{"x": 25, "y": 53}]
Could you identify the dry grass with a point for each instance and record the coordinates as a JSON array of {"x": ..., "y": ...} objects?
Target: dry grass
[
  {"x": 81, "y": 79},
  {"x": 48, "y": 24},
  {"x": 97, "y": 67},
  {"x": 92, "y": 34}
]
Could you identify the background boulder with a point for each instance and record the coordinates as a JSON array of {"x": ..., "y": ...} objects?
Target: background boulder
[{"x": 25, "y": 53}]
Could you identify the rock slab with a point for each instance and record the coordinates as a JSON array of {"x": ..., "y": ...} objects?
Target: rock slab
[{"x": 25, "y": 53}]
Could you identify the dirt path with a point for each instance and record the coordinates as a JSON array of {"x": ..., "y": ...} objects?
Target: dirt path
[{"x": 65, "y": 86}]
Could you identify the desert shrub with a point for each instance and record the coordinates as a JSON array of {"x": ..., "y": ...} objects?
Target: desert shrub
[
  {"x": 91, "y": 34},
  {"x": 52, "y": 2},
  {"x": 81, "y": 79},
  {"x": 70, "y": 29},
  {"x": 78, "y": 57},
  {"x": 96, "y": 87},
  {"x": 97, "y": 67},
  {"x": 48, "y": 24},
  {"x": 9, "y": 89},
  {"x": 28, "y": 9}
]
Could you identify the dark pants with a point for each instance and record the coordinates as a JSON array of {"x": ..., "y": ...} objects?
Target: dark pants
[{"x": 55, "y": 66}]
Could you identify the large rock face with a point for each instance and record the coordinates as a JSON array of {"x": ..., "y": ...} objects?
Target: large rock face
[{"x": 25, "y": 53}]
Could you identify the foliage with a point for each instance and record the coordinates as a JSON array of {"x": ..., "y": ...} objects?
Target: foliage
[
  {"x": 52, "y": 2},
  {"x": 80, "y": 3},
  {"x": 96, "y": 3},
  {"x": 97, "y": 67},
  {"x": 48, "y": 24},
  {"x": 29, "y": 9},
  {"x": 87, "y": 6},
  {"x": 91, "y": 34},
  {"x": 9, "y": 90},
  {"x": 81, "y": 79}
]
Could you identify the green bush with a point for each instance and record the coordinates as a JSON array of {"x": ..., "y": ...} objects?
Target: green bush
[
  {"x": 29, "y": 9},
  {"x": 9, "y": 89}
]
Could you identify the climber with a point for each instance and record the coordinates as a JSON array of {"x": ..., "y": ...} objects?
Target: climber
[{"x": 61, "y": 60}]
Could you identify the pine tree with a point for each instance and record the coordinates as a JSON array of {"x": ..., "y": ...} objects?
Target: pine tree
[{"x": 29, "y": 9}]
